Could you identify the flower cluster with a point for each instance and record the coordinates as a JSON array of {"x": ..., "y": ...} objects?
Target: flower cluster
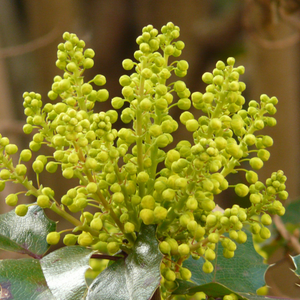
[{"x": 128, "y": 176}]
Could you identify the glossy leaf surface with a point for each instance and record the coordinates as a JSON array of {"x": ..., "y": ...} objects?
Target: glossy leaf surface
[
  {"x": 135, "y": 277},
  {"x": 23, "y": 279},
  {"x": 242, "y": 273},
  {"x": 64, "y": 271},
  {"x": 26, "y": 234}
]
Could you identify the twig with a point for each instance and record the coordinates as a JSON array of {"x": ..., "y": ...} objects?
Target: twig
[
  {"x": 291, "y": 239},
  {"x": 30, "y": 46}
]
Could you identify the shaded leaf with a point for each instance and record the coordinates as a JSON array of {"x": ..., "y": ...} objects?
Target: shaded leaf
[
  {"x": 26, "y": 235},
  {"x": 242, "y": 273},
  {"x": 292, "y": 212},
  {"x": 23, "y": 279},
  {"x": 136, "y": 277},
  {"x": 64, "y": 271},
  {"x": 210, "y": 289},
  {"x": 256, "y": 297}
]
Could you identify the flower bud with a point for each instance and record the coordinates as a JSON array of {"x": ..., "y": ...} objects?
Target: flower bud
[
  {"x": 164, "y": 247},
  {"x": 147, "y": 216},
  {"x": 43, "y": 201},
  {"x": 11, "y": 149},
  {"x": 70, "y": 239},
  {"x": 53, "y": 238},
  {"x": 96, "y": 224},
  {"x": 85, "y": 239},
  {"x": 241, "y": 190},
  {"x": 160, "y": 213},
  {"x": 265, "y": 233},
  {"x": 129, "y": 227},
  {"x": 184, "y": 250},
  {"x": 11, "y": 200},
  {"x": 207, "y": 267},
  {"x": 256, "y": 163}
]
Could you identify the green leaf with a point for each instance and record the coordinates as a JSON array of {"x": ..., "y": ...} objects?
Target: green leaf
[
  {"x": 256, "y": 297},
  {"x": 26, "y": 234},
  {"x": 292, "y": 212},
  {"x": 136, "y": 277},
  {"x": 212, "y": 289},
  {"x": 64, "y": 270},
  {"x": 242, "y": 273},
  {"x": 296, "y": 261},
  {"x": 23, "y": 279}
]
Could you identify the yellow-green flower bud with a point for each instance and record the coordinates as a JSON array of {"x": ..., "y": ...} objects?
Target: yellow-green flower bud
[
  {"x": 210, "y": 254},
  {"x": 118, "y": 197},
  {"x": 147, "y": 216},
  {"x": 70, "y": 239},
  {"x": 164, "y": 247},
  {"x": 11, "y": 200},
  {"x": 43, "y": 201},
  {"x": 113, "y": 247},
  {"x": 148, "y": 202},
  {"x": 129, "y": 227},
  {"x": 256, "y": 163},
  {"x": 185, "y": 274},
  {"x": 53, "y": 238},
  {"x": 184, "y": 250},
  {"x": 142, "y": 177},
  {"x": 241, "y": 190},
  {"x": 207, "y": 267},
  {"x": 160, "y": 213},
  {"x": 85, "y": 239},
  {"x": 265, "y": 233},
  {"x": 96, "y": 223},
  {"x": 266, "y": 219},
  {"x": 11, "y": 149}
]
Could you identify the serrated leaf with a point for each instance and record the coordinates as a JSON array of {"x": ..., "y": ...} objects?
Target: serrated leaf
[
  {"x": 296, "y": 261},
  {"x": 64, "y": 271},
  {"x": 136, "y": 277},
  {"x": 23, "y": 279},
  {"x": 26, "y": 235},
  {"x": 242, "y": 273}
]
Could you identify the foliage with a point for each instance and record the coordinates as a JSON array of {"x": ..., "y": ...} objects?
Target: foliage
[{"x": 145, "y": 205}]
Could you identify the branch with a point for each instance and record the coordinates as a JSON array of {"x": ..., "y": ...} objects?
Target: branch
[
  {"x": 30, "y": 46},
  {"x": 291, "y": 239}
]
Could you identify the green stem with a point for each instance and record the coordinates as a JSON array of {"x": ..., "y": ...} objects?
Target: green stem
[{"x": 139, "y": 133}]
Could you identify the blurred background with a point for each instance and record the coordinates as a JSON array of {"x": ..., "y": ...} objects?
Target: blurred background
[{"x": 263, "y": 35}]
